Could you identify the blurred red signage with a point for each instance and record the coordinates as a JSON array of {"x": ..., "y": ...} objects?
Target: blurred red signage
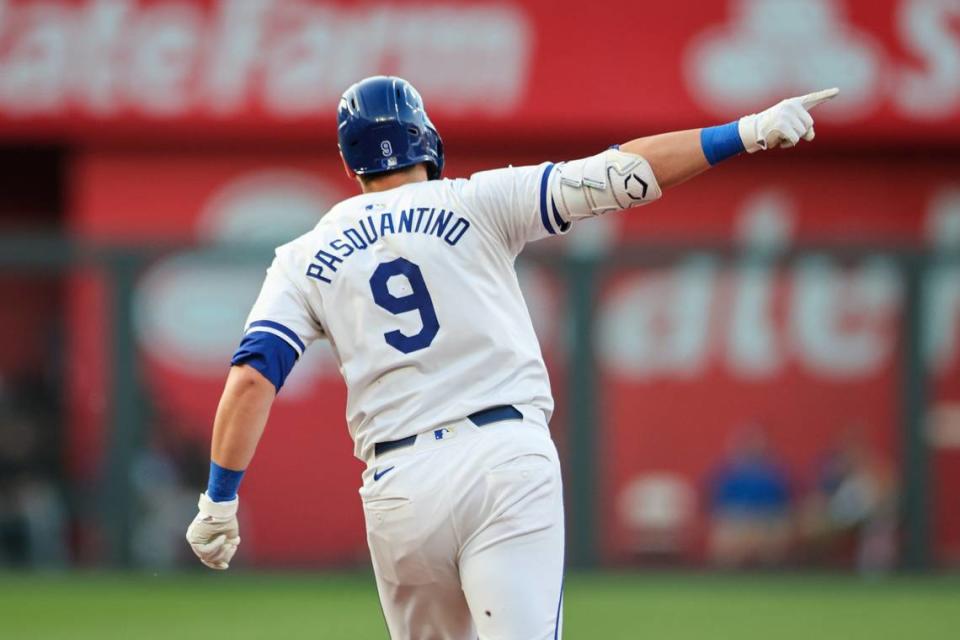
[
  {"x": 693, "y": 355},
  {"x": 687, "y": 355},
  {"x": 189, "y": 314},
  {"x": 273, "y": 69}
]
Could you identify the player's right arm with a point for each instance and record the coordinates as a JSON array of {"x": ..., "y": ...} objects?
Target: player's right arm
[
  {"x": 278, "y": 330},
  {"x": 214, "y": 534}
]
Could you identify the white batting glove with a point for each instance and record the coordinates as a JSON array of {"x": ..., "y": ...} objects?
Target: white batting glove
[
  {"x": 784, "y": 124},
  {"x": 215, "y": 533}
]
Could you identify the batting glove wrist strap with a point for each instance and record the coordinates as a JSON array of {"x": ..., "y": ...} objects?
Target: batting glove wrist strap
[
  {"x": 218, "y": 510},
  {"x": 747, "y": 127}
]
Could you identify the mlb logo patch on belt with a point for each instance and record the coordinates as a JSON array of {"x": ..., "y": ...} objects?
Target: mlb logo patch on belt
[{"x": 443, "y": 433}]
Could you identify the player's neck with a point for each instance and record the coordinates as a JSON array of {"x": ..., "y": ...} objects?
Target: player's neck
[{"x": 416, "y": 173}]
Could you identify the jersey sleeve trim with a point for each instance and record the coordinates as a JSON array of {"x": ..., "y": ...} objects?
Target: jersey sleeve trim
[
  {"x": 279, "y": 330},
  {"x": 270, "y": 354},
  {"x": 544, "y": 212}
]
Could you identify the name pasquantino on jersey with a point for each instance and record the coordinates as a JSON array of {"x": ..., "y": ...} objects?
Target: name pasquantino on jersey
[{"x": 442, "y": 224}]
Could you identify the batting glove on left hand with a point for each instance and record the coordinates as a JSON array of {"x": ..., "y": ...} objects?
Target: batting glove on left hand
[
  {"x": 215, "y": 533},
  {"x": 784, "y": 124}
]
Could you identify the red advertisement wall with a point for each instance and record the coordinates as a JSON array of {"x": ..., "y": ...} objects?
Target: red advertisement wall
[
  {"x": 189, "y": 315},
  {"x": 693, "y": 354},
  {"x": 212, "y": 122},
  {"x": 688, "y": 354},
  {"x": 188, "y": 321},
  {"x": 274, "y": 69}
]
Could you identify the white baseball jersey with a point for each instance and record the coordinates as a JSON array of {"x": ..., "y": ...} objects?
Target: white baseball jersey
[{"x": 416, "y": 290}]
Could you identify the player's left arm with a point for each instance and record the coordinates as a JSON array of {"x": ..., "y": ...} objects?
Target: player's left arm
[
  {"x": 637, "y": 172},
  {"x": 680, "y": 155}
]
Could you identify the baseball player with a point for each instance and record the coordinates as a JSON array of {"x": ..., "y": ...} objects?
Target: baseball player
[{"x": 448, "y": 403}]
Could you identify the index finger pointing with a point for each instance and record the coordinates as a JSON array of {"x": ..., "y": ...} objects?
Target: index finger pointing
[{"x": 811, "y": 100}]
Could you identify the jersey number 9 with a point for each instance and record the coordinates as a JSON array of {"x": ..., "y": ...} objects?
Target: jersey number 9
[{"x": 417, "y": 300}]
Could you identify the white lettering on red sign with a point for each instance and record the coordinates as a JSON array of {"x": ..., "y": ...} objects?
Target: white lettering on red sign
[
  {"x": 289, "y": 58},
  {"x": 833, "y": 322},
  {"x": 929, "y": 29}
]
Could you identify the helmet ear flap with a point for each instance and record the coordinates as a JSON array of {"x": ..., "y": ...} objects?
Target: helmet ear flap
[{"x": 346, "y": 168}]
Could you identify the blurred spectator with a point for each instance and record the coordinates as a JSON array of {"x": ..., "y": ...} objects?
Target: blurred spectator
[
  {"x": 750, "y": 520},
  {"x": 852, "y": 512},
  {"x": 33, "y": 516},
  {"x": 165, "y": 476},
  {"x": 657, "y": 508}
]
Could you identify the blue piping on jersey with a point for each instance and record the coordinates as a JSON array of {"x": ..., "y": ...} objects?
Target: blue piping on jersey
[
  {"x": 282, "y": 329},
  {"x": 544, "y": 215},
  {"x": 563, "y": 572},
  {"x": 556, "y": 624},
  {"x": 564, "y": 226}
]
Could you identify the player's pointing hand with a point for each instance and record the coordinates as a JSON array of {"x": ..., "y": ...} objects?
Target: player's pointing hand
[{"x": 784, "y": 124}]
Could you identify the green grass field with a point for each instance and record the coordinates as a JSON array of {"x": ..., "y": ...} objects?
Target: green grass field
[{"x": 241, "y": 606}]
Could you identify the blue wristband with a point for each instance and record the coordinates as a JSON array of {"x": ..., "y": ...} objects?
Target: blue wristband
[
  {"x": 720, "y": 143},
  {"x": 223, "y": 483}
]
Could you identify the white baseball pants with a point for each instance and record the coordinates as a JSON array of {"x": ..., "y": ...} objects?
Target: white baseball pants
[{"x": 466, "y": 533}]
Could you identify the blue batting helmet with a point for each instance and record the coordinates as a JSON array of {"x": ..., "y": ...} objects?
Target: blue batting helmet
[{"x": 382, "y": 126}]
